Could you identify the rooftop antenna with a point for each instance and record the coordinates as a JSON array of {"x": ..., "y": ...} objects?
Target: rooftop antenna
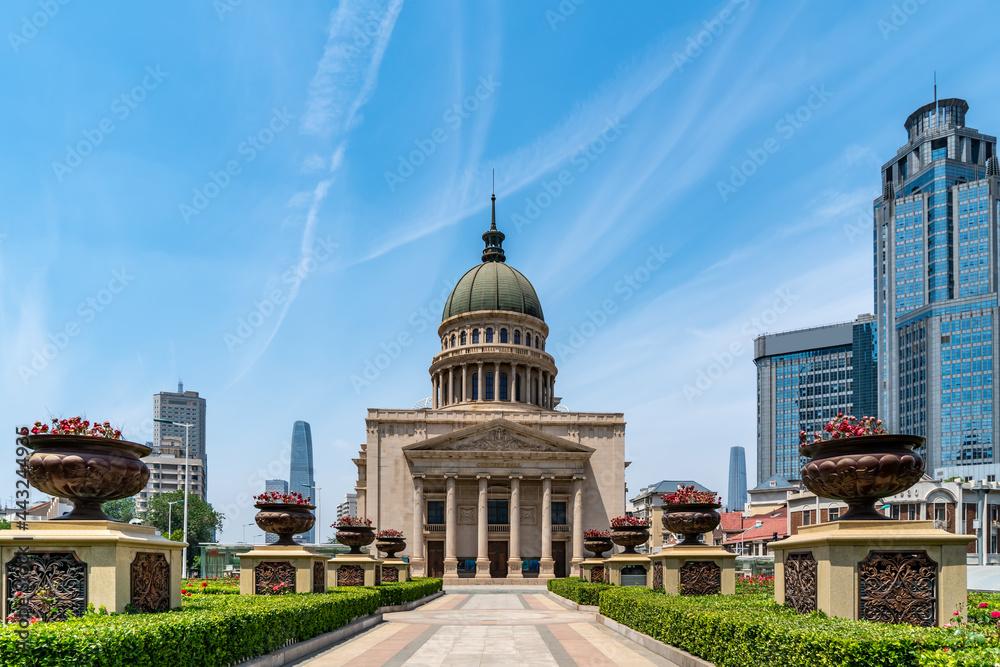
[{"x": 937, "y": 112}]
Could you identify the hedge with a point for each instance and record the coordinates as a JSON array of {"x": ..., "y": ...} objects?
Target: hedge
[
  {"x": 208, "y": 630},
  {"x": 577, "y": 590}
]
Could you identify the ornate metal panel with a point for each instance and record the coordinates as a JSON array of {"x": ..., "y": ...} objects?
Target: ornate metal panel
[
  {"x": 54, "y": 583},
  {"x": 800, "y": 582},
  {"x": 658, "y": 576},
  {"x": 350, "y": 575},
  {"x": 378, "y": 575},
  {"x": 700, "y": 577},
  {"x": 272, "y": 573},
  {"x": 597, "y": 574},
  {"x": 319, "y": 577},
  {"x": 150, "y": 582},
  {"x": 898, "y": 587},
  {"x": 390, "y": 575}
]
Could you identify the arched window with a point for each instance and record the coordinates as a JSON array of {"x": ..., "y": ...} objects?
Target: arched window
[
  {"x": 503, "y": 386},
  {"x": 475, "y": 386},
  {"x": 517, "y": 336},
  {"x": 475, "y": 336},
  {"x": 453, "y": 340},
  {"x": 462, "y": 339},
  {"x": 489, "y": 335},
  {"x": 503, "y": 336},
  {"x": 536, "y": 342},
  {"x": 517, "y": 382},
  {"x": 489, "y": 386},
  {"x": 527, "y": 339}
]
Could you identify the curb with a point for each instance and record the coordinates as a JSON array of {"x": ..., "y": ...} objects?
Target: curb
[{"x": 293, "y": 652}]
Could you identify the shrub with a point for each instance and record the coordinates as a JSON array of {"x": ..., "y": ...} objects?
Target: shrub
[
  {"x": 577, "y": 590},
  {"x": 228, "y": 586}
]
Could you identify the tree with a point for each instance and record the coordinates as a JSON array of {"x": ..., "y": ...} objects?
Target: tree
[
  {"x": 4, "y": 524},
  {"x": 203, "y": 521},
  {"x": 122, "y": 510}
]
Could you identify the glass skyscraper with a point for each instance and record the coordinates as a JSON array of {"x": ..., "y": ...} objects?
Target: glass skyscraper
[
  {"x": 737, "y": 495},
  {"x": 935, "y": 257},
  {"x": 302, "y": 468}
]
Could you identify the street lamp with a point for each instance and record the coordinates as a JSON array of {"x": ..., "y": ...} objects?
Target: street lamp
[
  {"x": 319, "y": 524},
  {"x": 187, "y": 483},
  {"x": 170, "y": 516},
  {"x": 245, "y": 531},
  {"x": 756, "y": 525}
]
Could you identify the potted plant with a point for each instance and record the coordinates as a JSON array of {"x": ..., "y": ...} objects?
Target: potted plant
[
  {"x": 629, "y": 532},
  {"x": 390, "y": 541},
  {"x": 87, "y": 462},
  {"x": 859, "y": 462},
  {"x": 690, "y": 513},
  {"x": 354, "y": 532},
  {"x": 284, "y": 514},
  {"x": 597, "y": 541}
]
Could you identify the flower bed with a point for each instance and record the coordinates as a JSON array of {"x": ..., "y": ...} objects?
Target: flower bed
[
  {"x": 227, "y": 586},
  {"x": 751, "y": 584},
  {"x": 207, "y": 631}
]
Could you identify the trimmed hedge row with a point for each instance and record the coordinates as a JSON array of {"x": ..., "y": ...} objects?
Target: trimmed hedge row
[
  {"x": 577, "y": 590},
  {"x": 208, "y": 630}
]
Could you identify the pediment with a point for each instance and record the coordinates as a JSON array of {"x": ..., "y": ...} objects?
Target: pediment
[{"x": 498, "y": 435}]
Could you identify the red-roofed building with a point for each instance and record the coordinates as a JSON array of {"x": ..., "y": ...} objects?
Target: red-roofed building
[{"x": 749, "y": 535}]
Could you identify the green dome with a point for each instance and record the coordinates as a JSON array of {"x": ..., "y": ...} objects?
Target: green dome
[{"x": 493, "y": 286}]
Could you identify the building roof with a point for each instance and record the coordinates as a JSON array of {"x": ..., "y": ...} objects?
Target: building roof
[
  {"x": 668, "y": 486},
  {"x": 493, "y": 286},
  {"x": 771, "y": 523},
  {"x": 780, "y": 482}
]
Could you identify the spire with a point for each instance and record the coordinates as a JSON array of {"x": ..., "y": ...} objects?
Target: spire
[{"x": 493, "y": 238}]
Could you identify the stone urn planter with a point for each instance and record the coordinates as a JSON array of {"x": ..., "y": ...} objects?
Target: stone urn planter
[
  {"x": 285, "y": 520},
  {"x": 629, "y": 537},
  {"x": 355, "y": 537},
  {"x": 390, "y": 545},
  {"x": 87, "y": 470},
  {"x": 598, "y": 545},
  {"x": 859, "y": 471},
  {"x": 691, "y": 520}
]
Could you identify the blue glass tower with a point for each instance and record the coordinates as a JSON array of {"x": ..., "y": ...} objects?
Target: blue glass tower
[
  {"x": 302, "y": 468},
  {"x": 737, "y": 496}
]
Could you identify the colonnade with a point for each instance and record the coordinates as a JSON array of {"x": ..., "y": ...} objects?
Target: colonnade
[{"x": 450, "y": 386}]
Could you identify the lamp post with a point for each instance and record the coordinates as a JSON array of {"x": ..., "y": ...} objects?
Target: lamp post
[
  {"x": 170, "y": 516},
  {"x": 187, "y": 484},
  {"x": 756, "y": 525},
  {"x": 319, "y": 524},
  {"x": 245, "y": 531}
]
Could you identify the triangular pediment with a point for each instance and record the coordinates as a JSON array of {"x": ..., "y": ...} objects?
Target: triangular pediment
[{"x": 498, "y": 435}]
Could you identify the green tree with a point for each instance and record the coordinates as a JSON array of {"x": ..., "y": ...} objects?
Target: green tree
[
  {"x": 4, "y": 524},
  {"x": 203, "y": 521},
  {"x": 122, "y": 510}
]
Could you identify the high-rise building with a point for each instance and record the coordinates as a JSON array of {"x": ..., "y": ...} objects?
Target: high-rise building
[
  {"x": 737, "y": 495},
  {"x": 936, "y": 276},
  {"x": 167, "y": 467},
  {"x": 185, "y": 407},
  {"x": 804, "y": 378},
  {"x": 301, "y": 479},
  {"x": 349, "y": 507},
  {"x": 279, "y": 486}
]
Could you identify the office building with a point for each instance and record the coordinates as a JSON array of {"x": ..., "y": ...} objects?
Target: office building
[
  {"x": 300, "y": 479},
  {"x": 736, "y": 497},
  {"x": 185, "y": 407},
  {"x": 804, "y": 379},
  {"x": 349, "y": 507},
  {"x": 167, "y": 467}
]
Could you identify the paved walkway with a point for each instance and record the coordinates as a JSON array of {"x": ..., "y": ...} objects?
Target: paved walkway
[{"x": 495, "y": 628}]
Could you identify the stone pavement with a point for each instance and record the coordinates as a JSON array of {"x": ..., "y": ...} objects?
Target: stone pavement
[{"x": 488, "y": 627}]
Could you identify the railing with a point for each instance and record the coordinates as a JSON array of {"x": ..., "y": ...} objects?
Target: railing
[
  {"x": 560, "y": 528},
  {"x": 499, "y": 528},
  {"x": 524, "y": 353},
  {"x": 434, "y": 527}
]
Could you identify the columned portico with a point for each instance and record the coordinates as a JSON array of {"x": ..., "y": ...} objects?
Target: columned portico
[
  {"x": 545, "y": 570},
  {"x": 451, "y": 528},
  {"x": 514, "y": 561},
  {"x": 417, "y": 558},
  {"x": 482, "y": 530},
  {"x": 577, "y": 526}
]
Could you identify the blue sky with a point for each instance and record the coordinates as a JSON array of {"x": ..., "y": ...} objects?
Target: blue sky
[{"x": 260, "y": 200}]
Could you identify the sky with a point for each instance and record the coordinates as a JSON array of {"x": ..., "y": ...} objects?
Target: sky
[{"x": 271, "y": 203}]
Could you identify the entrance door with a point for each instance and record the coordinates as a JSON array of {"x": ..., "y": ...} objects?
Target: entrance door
[
  {"x": 498, "y": 559},
  {"x": 435, "y": 559},
  {"x": 559, "y": 556}
]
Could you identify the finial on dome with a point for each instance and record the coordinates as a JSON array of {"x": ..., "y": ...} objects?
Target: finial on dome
[{"x": 494, "y": 238}]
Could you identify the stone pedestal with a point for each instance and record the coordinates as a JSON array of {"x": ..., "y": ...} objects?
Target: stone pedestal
[
  {"x": 352, "y": 570},
  {"x": 298, "y": 568},
  {"x": 693, "y": 570},
  {"x": 104, "y": 563},
  {"x": 394, "y": 570},
  {"x": 594, "y": 570},
  {"x": 618, "y": 564},
  {"x": 888, "y": 571}
]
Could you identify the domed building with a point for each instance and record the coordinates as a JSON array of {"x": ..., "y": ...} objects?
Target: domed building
[{"x": 492, "y": 481}]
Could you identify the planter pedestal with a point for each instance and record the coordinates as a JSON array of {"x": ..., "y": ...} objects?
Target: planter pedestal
[
  {"x": 267, "y": 565},
  {"x": 104, "y": 563},
  {"x": 627, "y": 565},
  {"x": 889, "y": 571},
  {"x": 394, "y": 570},
  {"x": 693, "y": 570},
  {"x": 352, "y": 570},
  {"x": 594, "y": 570}
]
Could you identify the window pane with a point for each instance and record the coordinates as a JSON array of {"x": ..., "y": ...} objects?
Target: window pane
[
  {"x": 435, "y": 511},
  {"x": 559, "y": 514}
]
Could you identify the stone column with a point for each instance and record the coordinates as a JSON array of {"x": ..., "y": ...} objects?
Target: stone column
[
  {"x": 451, "y": 386},
  {"x": 417, "y": 538},
  {"x": 514, "y": 558},
  {"x": 482, "y": 383},
  {"x": 552, "y": 391},
  {"x": 362, "y": 501},
  {"x": 544, "y": 390},
  {"x": 527, "y": 384},
  {"x": 450, "y": 528},
  {"x": 482, "y": 527},
  {"x": 513, "y": 383},
  {"x": 434, "y": 392},
  {"x": 577, "y": 527},
  {"x": 545, "y": 565},
  {"x": 496, "y": 381}
]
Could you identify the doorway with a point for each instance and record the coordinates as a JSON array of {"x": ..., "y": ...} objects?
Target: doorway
[
  {"x": 559, "y": 556},
  {"x": 498, "y": 559},
  {"x": 435, "y": 559}
]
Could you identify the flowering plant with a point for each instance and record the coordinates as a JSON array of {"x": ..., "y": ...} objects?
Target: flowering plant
[
  {"x": 352, "y": 522},
  {"x": 845, "y": 426},
  {"x": 388, "y": 533},
  {"x": 594, "y": 534},
  {"x": 629, "y": 522},
  {"x": 292, "y": 498},
  {"x": 74, "y": 426},
  {"x": 686, "y": 495}
]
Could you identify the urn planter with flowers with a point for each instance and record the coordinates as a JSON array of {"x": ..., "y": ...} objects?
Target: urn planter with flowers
[
  {"x": 858, "y": 462},
  {"x": 285, "y": 515},
  {"x": 597, "y": 541},
  {"x": 86, "y": 462},
  {"x": 355, "y": 532},
  {"x": 390, "y": 541},
  {"x": 690, "y": 513},
  {"x": 629, "y": 532}
]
